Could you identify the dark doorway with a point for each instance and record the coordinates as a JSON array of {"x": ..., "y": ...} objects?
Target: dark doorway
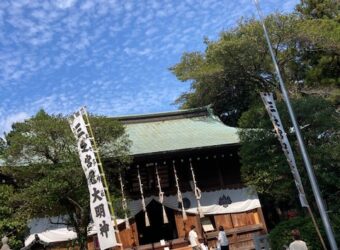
[{"x": 157, "y": 229}]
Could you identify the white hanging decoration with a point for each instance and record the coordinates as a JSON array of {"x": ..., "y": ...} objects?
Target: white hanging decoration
[
  {"x": 179, "y": 194},
  {"x": 161, "y": 196},
  {"x": 100, "y": 202},
  {"x": 147, "y": 221},
  {"x": 197, "y": 191},
  {"x": 124, "y": 204}
]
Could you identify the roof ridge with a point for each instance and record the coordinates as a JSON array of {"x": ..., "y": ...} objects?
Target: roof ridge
[{"x": 169, "y": 115}]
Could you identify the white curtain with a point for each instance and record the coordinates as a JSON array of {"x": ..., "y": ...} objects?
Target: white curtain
[{"x": 241, "y": 200}]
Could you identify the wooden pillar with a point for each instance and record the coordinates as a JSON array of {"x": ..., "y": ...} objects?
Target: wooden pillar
[
  {"x": 199, "y": 227},
  {"x": 259, "y": 211}
]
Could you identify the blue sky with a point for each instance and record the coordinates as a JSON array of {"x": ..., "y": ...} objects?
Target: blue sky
[{"x": 110, "y": 55}]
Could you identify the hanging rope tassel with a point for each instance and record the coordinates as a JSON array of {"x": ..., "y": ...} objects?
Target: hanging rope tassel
[
  {"x": 199, "y": 209},
  {"x": 184, "y": 214},
  {"x": 124, "y": 204},
  {"x": 179, "y": 194},
  {"x": 147, "y": 221},
  {"x": 161, "y": 196},
  {"x": 165, "y": 217},
  {"x": 127, "y": 223},
  {"x": 197, "y": 191}
]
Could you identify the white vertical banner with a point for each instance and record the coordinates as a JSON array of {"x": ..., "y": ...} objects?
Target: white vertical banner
[
  {"x": 99, "y": 207},
  {"x": 269, "y": 103}
]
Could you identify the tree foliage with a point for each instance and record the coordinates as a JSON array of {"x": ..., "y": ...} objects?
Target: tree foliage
[
  {"x": 11, "y": 225},
  {"x": 229, "y": 71},
  {"x": 319, "y": 9},
  {"x": 234, "y": 68},
  {"x": 281, "y": 234},
  {"x": 40, "y": 153}
]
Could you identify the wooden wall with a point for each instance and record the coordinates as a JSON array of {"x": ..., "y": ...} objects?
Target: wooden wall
[
  {"x": 129, "y": 237},
  {"x": 183, "y": 227},
  {"x": 240, "y": 228}
]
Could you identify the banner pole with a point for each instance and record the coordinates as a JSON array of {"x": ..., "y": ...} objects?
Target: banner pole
[
  {"x": 102, "y": 174},
  {"x": 316, "y": 228},
  {"x": 303, "y": 150}
]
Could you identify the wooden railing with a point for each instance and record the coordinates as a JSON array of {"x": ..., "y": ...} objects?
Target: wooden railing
[{"x": 239, "y": 238}]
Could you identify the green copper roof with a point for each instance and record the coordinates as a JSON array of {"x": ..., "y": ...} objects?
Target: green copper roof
[{"x": 178, "y": 130}]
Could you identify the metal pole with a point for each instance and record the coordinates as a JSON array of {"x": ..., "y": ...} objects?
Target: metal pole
[{"x": 304, "y": 153}]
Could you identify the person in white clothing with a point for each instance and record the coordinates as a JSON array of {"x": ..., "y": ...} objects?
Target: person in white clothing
[
  {"x": 222, "y": 239},
  {"x": 194, "y": 239},
  {"x": 297, "y": 244}
]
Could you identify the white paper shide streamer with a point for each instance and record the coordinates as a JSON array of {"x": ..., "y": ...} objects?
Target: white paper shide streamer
[
  {"x": 269, "y": 102},
  {"x": 99, "y": 207}
]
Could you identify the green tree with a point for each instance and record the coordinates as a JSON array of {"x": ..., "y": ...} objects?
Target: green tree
[
  {"x": 2, "y": 145},
  {"x": 320, "y": 57},
  {"x": 48, "y": 171},
  {"x": 234, "y": 68},
  {"x": 14, "y": 227},
  {"x": 320, "y": 39},
  {"x": 267, "y": 169},
  {"x": 281, "y": 234},
  {"x": 316, "y": 9}
]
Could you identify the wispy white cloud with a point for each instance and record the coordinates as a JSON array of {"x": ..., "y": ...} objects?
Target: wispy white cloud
[
  {"x": 64, "y": 4},
  {"x": 110, "y": 55},
  {"x": 6, "y": 123}
]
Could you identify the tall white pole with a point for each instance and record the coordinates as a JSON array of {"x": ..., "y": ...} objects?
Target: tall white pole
[{"x": 303, "y": 150}]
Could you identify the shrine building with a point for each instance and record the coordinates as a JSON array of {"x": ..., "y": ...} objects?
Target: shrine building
[{"x": 185, "y": 171}]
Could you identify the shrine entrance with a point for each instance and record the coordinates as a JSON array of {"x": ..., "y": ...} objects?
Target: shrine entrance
[{"x": 157, "y": 230}]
